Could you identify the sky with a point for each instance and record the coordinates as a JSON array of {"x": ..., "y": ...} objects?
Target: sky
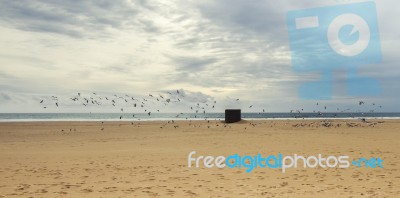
[{"x": 209, "y": 50}]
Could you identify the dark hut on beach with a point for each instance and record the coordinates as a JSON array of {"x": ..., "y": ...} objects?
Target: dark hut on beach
[{"x": 232, "y": 115}]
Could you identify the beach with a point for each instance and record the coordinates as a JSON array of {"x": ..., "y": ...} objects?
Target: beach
[{"x": 150, "y": 158}]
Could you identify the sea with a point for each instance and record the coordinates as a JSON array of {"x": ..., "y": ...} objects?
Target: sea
[{"x": 28, "y": 117}]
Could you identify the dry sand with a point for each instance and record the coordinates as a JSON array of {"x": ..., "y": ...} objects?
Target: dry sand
[{"x": 79, "y": 159}]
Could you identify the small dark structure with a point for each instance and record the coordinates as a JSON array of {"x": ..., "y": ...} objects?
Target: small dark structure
[{"x": 232, "y": 115}]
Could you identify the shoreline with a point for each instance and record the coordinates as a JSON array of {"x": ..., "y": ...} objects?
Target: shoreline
[{"x": 183, "y": 119}]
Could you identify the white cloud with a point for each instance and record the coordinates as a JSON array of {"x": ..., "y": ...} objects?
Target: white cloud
[{"x": 223, "y": 49}]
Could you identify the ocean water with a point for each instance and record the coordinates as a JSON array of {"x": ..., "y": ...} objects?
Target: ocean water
[{"x": 15, "y": 117}]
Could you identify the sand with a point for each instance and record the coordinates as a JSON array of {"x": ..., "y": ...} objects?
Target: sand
[{"x": 124, "y": 159}]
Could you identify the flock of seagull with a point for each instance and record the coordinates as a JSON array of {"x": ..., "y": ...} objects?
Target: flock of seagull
[
  {"x": 146, "y": 104},
  {"x": 140, "y": 104}
]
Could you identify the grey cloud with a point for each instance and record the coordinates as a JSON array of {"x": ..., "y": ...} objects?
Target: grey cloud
[
  {"x": 148, "y": 26},
  {"x": 192, "y": 64},
  {"x": 261, "y": 18},
  {"x": 4, "y": 97},
  {"x": 72, "y": 18}
]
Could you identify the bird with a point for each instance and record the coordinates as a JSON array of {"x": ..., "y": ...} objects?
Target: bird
[{"x": 41, "y": 101}]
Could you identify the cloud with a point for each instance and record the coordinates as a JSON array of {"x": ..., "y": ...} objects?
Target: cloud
[
  {"x": 71, "y": 18},
  {"x": 192, "y": 64},
  {"x": 218, "y": 49}
]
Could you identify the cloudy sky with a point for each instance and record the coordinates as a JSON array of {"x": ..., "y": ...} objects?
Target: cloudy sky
[{"x": 214, "y": 50}]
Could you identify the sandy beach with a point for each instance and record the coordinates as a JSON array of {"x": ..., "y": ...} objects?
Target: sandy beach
[{"x": 150, "y": 159}]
